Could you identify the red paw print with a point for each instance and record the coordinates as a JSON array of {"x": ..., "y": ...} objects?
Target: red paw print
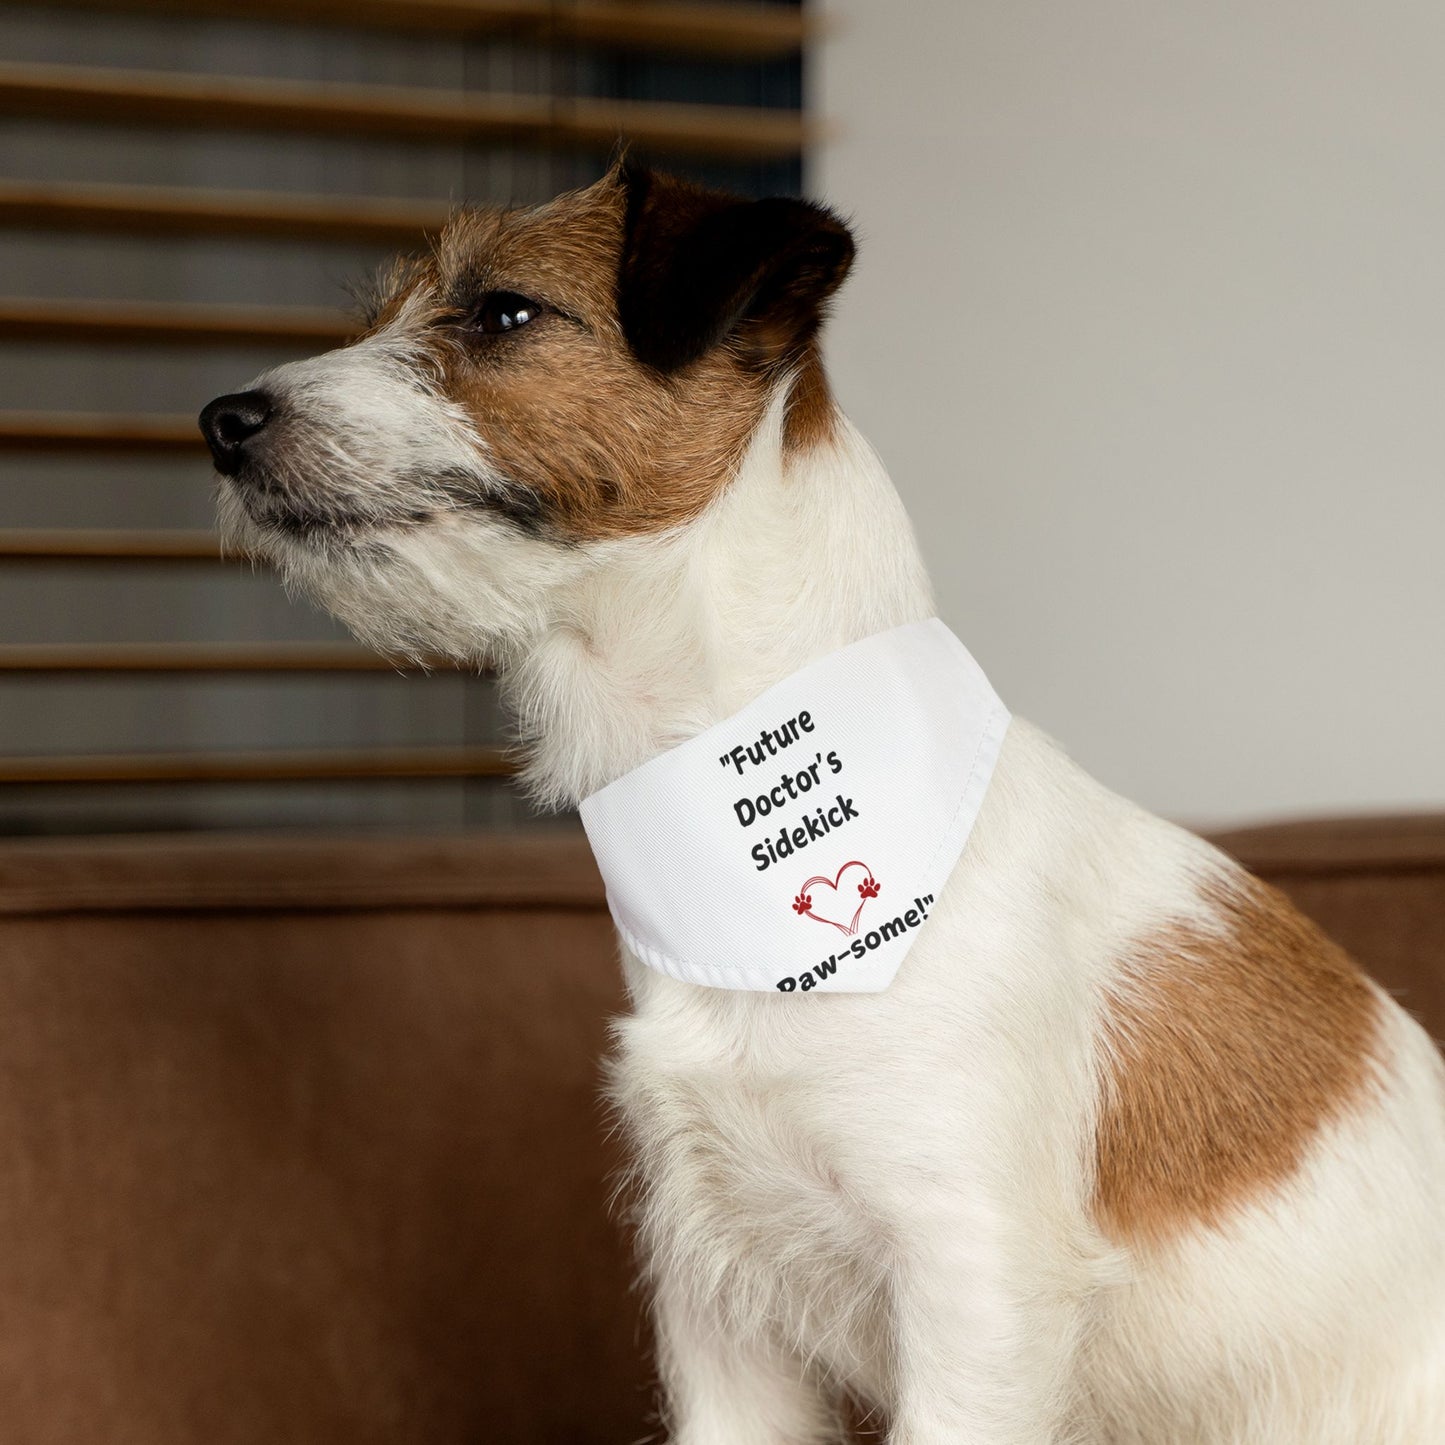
[
  {"x": 868, "y": 888},
  {"x": 802, "y": 903}
]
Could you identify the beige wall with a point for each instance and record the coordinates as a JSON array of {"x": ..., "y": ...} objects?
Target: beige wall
[{"x": 1149, "y": 324}]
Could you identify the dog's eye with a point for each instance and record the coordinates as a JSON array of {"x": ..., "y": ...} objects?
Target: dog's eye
[{"x": 504, "y": 311}]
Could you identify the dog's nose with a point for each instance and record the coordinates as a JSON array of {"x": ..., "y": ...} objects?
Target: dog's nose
[{"x": 229, "y": 422}]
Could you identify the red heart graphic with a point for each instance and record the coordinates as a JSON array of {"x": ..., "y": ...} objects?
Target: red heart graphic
[{"x": 840, "y": 903}]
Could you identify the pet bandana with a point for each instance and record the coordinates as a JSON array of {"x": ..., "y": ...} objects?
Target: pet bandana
[{"x": 800, "y": 845}]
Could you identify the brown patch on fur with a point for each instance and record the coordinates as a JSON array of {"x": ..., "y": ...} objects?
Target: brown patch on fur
[
  {"x": 811, "y": 418},
  {"x": 604, "y": 445},
  {"x": 593, "y": 441},
  {"x": 1227, "y": 1051}
]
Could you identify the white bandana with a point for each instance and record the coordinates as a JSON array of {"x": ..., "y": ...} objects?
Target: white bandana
[{"x": 801, "y": 844}]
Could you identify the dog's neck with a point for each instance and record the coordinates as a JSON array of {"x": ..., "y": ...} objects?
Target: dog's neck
[{"x": 803, "y": 553}]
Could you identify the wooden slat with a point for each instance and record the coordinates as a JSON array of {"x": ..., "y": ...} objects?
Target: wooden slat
[
  {"x": 174, "y": 211},
  {"x": 261, "y": 767},
  {"x": 171, "y": 323},
  {"x": 220, "y": 102},
  {"x": 189, "y": 657},
  {"x": 293, "y": 869},
  {"x": 77, "y": 431},
  {"x": 759, "y": 32},
  {"x": 755, "y": 32},
  {"x": 81, "y": 544}
]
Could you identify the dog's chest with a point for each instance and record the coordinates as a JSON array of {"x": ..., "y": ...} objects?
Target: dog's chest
[{"x": 747, "y": 1183}]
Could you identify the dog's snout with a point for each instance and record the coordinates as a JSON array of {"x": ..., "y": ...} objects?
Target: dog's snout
[{"x": 229, "y": 422}]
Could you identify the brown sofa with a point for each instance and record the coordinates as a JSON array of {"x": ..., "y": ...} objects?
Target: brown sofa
[{"x": 302, "y": 1140}]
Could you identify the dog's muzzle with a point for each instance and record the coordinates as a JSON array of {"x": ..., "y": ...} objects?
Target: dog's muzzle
[{"x": 230, "y": 423}]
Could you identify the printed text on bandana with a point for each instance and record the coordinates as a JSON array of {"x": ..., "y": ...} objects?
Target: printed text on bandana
[
  {"x": 811, "y": 819},
  {"x": 803, "y": 822},
  {"x": 860, "y": 947}
]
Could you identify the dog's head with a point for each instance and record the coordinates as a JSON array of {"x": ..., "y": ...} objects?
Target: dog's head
[{"x": 543, "y": 384}]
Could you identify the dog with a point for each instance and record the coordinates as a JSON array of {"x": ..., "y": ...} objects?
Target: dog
[{"x": 1127, "y": 1153}]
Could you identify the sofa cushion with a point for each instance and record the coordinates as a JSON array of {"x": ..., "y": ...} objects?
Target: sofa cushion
[{"x": 303, "y": 1143}]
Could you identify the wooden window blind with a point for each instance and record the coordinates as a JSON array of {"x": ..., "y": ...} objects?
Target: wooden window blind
[{"x": 186, "y": 186}]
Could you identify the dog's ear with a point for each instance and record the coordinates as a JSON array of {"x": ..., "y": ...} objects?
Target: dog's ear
[{"x": 699, "y": 266}]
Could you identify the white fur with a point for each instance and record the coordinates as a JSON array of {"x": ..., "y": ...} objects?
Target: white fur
[{"x": 889, "y": 1194}]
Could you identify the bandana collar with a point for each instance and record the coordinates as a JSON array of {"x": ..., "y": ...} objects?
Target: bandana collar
[{"x": 800, "y": 845}]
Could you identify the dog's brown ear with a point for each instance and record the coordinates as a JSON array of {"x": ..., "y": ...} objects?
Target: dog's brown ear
[{"x": 699, "y": 266}]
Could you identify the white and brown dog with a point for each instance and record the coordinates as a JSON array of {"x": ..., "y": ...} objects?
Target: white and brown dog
[{"x": 1128, "y": 1152}]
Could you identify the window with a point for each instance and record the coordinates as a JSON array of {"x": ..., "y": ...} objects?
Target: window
[{"x": 185, "y": 193}]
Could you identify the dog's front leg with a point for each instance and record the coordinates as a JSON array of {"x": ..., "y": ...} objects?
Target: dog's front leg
[
  {"x": 985, "y": 1338},
  {"x": 724, "y": 1387}
]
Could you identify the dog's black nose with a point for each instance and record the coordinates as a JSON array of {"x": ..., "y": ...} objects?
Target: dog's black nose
[{"x": 229, "y": 422}]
